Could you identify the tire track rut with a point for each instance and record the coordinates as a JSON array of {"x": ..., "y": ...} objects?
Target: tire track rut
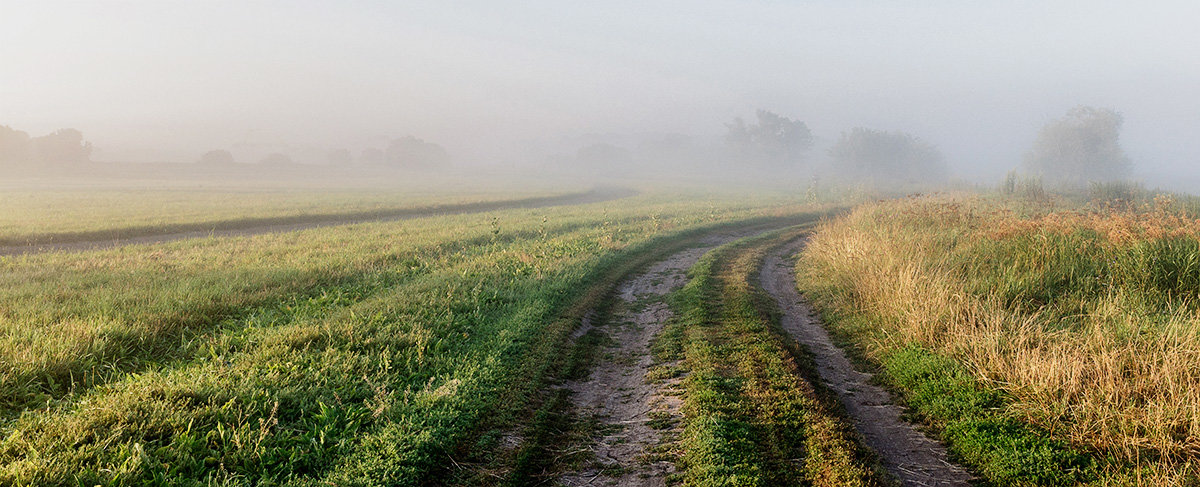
[
  {"x": 617, "y": 394},
  {"x": 913, "y": 458}
]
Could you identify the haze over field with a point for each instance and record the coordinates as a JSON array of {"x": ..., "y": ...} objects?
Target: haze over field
[{"x": 522, "y": 86}]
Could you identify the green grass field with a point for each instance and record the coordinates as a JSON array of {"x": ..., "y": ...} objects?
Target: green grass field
[
  {"x": 361, "y": 354},
  {"x": 70, "y": 215},
  {"x": 1046, "y": 343}
]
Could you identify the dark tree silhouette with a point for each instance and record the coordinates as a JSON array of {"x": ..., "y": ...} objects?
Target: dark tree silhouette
[
  {"x": 882, "y": 158},
  {"x": 773, "y": 139},
  {"x": 412, "y": 152},
  {"x": 1080, "y": 148},
  {"x": 15, "y": 146},
  {"x": 65, "y": 146}
]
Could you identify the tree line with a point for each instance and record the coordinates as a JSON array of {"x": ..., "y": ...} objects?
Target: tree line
[
  {"x": 61, "y": 147},
  {"x": 406, "y": 152},
  {"x": 1080, "y": 148},
  {"x": 1073, "y": 151}
]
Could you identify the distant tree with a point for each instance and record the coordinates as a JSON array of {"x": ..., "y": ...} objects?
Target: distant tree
[
  {"x": 339, "y": 158},
  {"x": 883, "y": 157},
  {"x": 412, "y": 152},
  {"x": 774, "y": 139},
  {"x": 15, "y": 146},
  {"x": 216, "y": 157},
  {"x": 603, "y": 154},
  {"x": 276, "y": 159},
  {"x": 1080, "y": 148},
  {"x": 65, "y": 146},
  {"x": 371, "y": 156}
]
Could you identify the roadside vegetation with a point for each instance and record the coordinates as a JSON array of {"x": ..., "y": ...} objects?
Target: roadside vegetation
[
  {"x": 368, "y": 354},
  {"x": 751, "y": 414},
  {"x": 1049, "y": 343}
]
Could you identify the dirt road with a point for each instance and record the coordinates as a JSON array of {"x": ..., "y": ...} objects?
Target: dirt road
[
  {"x": 618, "y": 396},
  {"x": 98, "y": 240},
  {"x": 906, "y": 453}
]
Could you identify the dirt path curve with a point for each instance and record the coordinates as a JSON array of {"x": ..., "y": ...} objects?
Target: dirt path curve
[
  {"x": 906, "y": 453},
  {"x": 617, "y": 394},
  {"x": 305, "y": 222}
]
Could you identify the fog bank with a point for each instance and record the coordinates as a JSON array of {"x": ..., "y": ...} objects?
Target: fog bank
[{"x": 515, "y": 86}]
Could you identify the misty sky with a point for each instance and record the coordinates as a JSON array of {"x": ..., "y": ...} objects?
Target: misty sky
[{"x": 166, "y": 80}]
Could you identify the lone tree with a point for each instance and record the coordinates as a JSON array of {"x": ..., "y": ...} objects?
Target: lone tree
[
  {"x": 1080, "y": 148},
  {"x": 15, "y": 146},
  {"x": 65, "y": 146},
  {"x": 880, "y": 157},
  {"x": 412, "y": 152},
  {"x": 774, "y": 139}
]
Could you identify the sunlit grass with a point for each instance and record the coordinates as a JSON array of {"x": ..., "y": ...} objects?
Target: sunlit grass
[
  {"x": 1084, "y": 321},
  {"x": 63, "y": 215},
  {"x": 362, "y": 354}
]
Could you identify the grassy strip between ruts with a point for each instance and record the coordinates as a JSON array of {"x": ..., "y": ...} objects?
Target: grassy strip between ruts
[{"x": 751, "y": 414}]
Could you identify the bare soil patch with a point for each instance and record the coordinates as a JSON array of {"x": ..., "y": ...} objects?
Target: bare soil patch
[{"x": 633, "y": 413}]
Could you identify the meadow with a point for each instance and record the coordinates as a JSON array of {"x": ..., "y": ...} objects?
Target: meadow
[
  {"x": 64, "y": 213},
  {"x": 369, "y": 354},
  {"x": 1044, "y": 340},
  {"x": 1049, "y": 342}
]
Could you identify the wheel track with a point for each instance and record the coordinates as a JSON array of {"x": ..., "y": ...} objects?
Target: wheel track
[
  {"x": 913, "y": 458},
  {"x": 617, "y": 394}
]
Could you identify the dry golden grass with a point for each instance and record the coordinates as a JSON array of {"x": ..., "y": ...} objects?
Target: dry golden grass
[{"x": 1102, "y": 363}]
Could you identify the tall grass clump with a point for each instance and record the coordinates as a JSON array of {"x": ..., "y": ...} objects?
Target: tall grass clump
[
  {"x": 1023, "y": 186},
  {"x": 1122, "y": 194},
  {"x": 1085, "y": 323}
]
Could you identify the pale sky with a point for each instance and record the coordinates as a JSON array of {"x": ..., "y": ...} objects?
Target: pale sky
[{"x": 167, "y": 80}]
